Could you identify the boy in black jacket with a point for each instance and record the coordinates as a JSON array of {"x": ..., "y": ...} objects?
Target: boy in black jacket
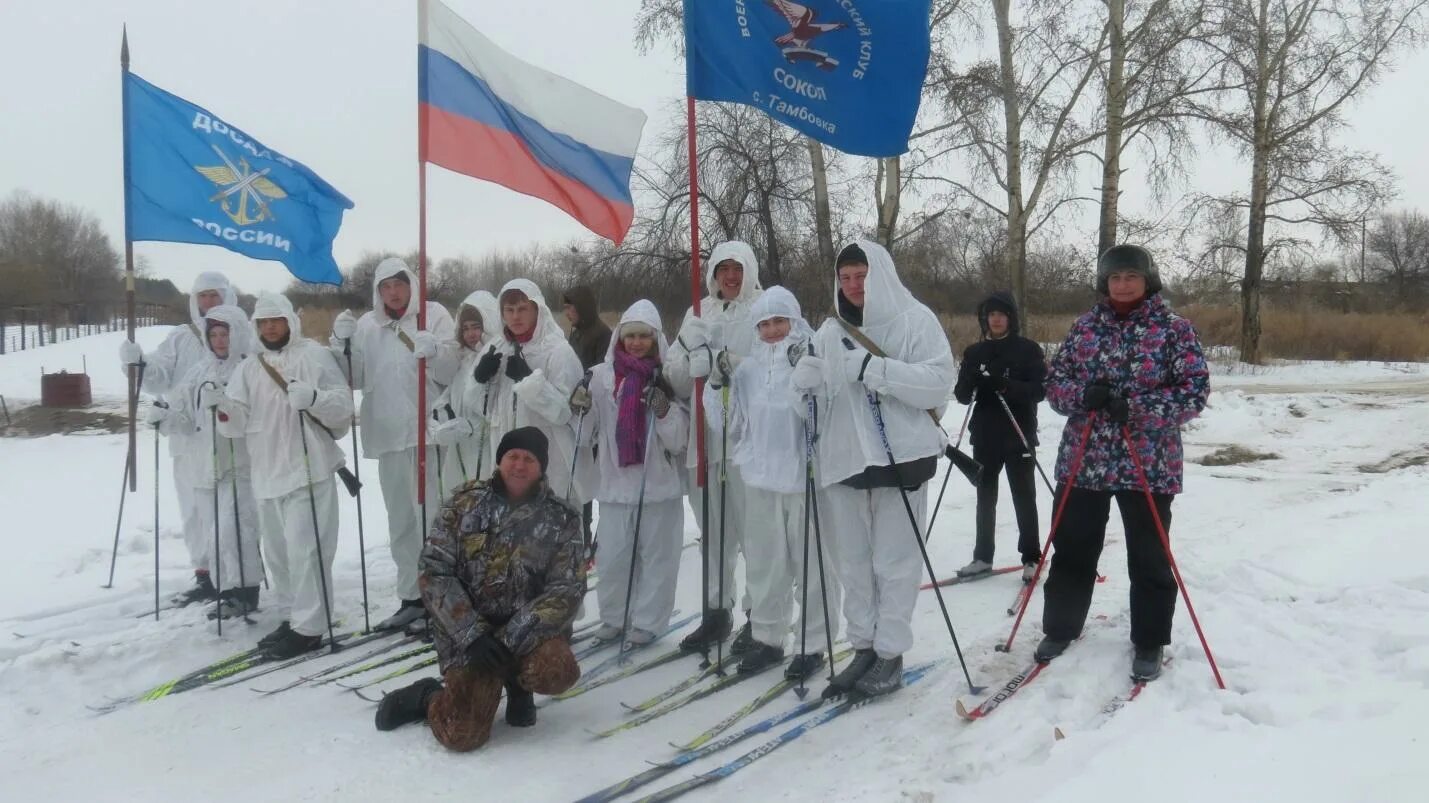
[{"x": 1003, "y": 363}]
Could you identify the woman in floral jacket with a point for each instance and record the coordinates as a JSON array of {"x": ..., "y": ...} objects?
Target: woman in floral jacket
[{"x": 1128, "y": 369}]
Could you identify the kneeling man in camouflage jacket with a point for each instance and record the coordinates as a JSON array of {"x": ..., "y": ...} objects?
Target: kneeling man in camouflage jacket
[{"x": 502, "y": 577}]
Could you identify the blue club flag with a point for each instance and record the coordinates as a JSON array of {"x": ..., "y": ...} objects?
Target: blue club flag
[
  {"x": 193, "y": 178},
  {"x": 848, "y": 73}
]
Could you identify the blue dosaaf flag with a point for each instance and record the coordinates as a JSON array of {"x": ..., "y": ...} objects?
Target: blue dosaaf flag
[
  {"x": 193, "y": 178},
  {"x": 848, "y": 73}
]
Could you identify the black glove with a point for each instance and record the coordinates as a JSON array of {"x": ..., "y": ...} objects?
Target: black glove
[
  {"x": 1118, "y": 410},
  {"x": 993, "y": 377},
  {"x": 657, "y": 400},
  {"x": 488, "y": 654},
  {"x": 1096, "y": 396},
  {"x": 516, "y": 368},
  {"x": 487, "y": 366}
]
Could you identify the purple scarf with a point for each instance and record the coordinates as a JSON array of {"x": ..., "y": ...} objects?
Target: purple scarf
[{"x": 631, "y": 375}]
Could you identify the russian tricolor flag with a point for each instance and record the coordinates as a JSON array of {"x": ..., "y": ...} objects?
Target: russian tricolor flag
[{"x": 486, "y": 114}]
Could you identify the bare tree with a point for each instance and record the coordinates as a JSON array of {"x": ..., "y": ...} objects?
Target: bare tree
[
  {"x": 1019, "y": 119},
  {"x": 65, "y": 244},
  {"x": 1292, "y": 67},
  {"x": 1400, "y": 243}
]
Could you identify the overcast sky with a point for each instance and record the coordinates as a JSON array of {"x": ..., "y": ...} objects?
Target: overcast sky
[{"x": 332, "y": 83}]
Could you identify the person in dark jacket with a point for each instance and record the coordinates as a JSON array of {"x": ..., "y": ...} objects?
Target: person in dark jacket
[
  {"x": 1003, "y": 366},
  {"x": 590, "y": 337},
  {"x": 502, "y": 577},
  {"x": 1129, "y": 370}
]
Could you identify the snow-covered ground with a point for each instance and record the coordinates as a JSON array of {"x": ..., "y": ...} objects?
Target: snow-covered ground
[{"x": 1310, "y": 573}]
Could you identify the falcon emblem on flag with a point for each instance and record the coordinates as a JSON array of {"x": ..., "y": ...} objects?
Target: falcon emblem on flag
[{"x": 803, "y": 30}]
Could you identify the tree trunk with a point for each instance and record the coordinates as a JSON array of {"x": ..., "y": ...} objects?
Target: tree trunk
[
  {"x": 1014, "y": 256},
  {"x": 1259, "y": 191},
  {"x": 1115, "y": 118},
  {"x": 823, "y": 219},
  {"x": 773, "y": 265},
  {"x": 889, "y": 188}
]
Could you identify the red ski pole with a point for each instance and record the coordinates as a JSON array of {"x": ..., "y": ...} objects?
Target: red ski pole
[
  {"x": 1166, "y": 544},
  {"x": 1075, "y": 468}
]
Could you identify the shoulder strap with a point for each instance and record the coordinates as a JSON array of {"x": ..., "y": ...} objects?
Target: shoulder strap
[
  {"x": 403, "y": 336},
  {"x": 873, "y": 349},
  {"x": 194, "y": 329},
  {"x": 283, "y": 385}
]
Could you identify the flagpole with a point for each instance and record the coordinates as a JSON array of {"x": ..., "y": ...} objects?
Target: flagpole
[
  {"x": 421, "y": 292},
  {"x": 702, "y": 474},
  {"x": 128, "y": 259}
]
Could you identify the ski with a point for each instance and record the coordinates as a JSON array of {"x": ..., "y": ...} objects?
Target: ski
[
  {"x": 1011, "y": 687},
  {"x": 371, "y": 665},
  {"x": 634, "y": 669},
  {"x": 687, "y": 683},
  {"x": 342, "y": 665},
  {"x": 953, "y": 581},
  {"x": 207, "y": 675},
  {"x": 269, "y": 666},
  {"x": 823, "y": 717},
  {"x": 396, "y": 673},
  {"x": 1120, "y": 701},
  {"x": 620, "y": 658},
  {"x": 699, "y": 694},
  {"x": 748, "y": 708}
]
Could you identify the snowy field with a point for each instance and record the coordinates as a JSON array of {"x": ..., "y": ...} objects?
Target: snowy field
[{"x": 1310, "y": 572}]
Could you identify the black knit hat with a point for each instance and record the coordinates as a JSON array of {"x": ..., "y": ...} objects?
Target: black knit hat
[
  {"x": 851, "y": 255},
  {"x": 1131, "y": 258},
  {"x": 527, "y": 439}
]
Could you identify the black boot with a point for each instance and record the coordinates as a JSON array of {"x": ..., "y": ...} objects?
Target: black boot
[
  {"x": 520, "y": 706},
  {"x": 804, "y": 667},
  {"x": 407, "y": 704},
  {"x": 744, "y": 642},
  {"x": 760, "y": 658},
  {"x": 886, "y": 675},
  {"x": 1146, "y": 663},
  {"x": 409, "y": 611},
  {"x": 844, "y": 681},
  {"x": 714, "y": 628},
  {"x": 202, "y": 590},
  {"x": 235, "y": 602},
  {"x": 280, "y": 632},
  {"x": 1050, "y": 648},
  {"x": 291, "y": 645}
]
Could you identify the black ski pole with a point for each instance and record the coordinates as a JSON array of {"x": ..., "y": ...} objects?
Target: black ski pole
[
  {"x": 1026, "y": 444},
  {"x": 357, "y": 473},
  {"x": 123, "y": 489},
  {"x": 723, "y": 492},
  {"x": 635, "y": 539},
  {"x": 947, "y": 475},
  {"x": 877, "y": 408},
  {"x": 317, "y": 539},
  {"x": 237, "y": 525},
  {"x": 217, "y": 553},
  {"x": 157, "y": 403}
]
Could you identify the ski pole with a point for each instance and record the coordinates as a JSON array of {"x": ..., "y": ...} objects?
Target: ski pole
[
  {"x": 156, "y": 514},
  {"x": 357, "y": 473},
  {"x": 1166, "y": 544},
  {"x": 1074, "y": 468},
  {"x": 947, "y": 475},
  {"x": 317, "y": 539},
  {"x": 811, "y": 507},
  {"x": 238, "y": 525},
  {"x": 1026, "y": 444},
  {"x": 128, "y": 467},
  {"x": 723, "y": 516},
  {"x": 635, "y": 539},
  {"x": 485, "y": 433},
  {"x": 217, "y": 550}
]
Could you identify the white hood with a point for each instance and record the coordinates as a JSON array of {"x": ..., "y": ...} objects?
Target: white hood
[
  {"x": 487, "y": 307},
  {"x": 641, "y": 312},
  {"x": 740, "y": 252},
  {"x": 778, "y": 302},
  {"x": 242, "y": 339},
  {"x": 275, "y": 305},
  {"x": 546, "y": 327},
  {"x": 885, "y": 297},
  {"x": 209, "y": 280},
  {"x": 386, "y": 269}
]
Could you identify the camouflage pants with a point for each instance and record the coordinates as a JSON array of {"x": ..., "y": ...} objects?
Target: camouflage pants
[{"x": 461, "y": 714}]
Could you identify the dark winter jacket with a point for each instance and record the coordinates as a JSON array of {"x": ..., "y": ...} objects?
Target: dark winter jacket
[
  {"x": 1017, "y": 366},
  {"x": 488, "y": 567},
  {"x": 1153, "y": 359},
  {"x": 590, "y": 337}
]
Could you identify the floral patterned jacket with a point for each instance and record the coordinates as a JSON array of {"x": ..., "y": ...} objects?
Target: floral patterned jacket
[
  {"x": 490, "y": 567},
  {"x": 1153, "y": 359}
]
